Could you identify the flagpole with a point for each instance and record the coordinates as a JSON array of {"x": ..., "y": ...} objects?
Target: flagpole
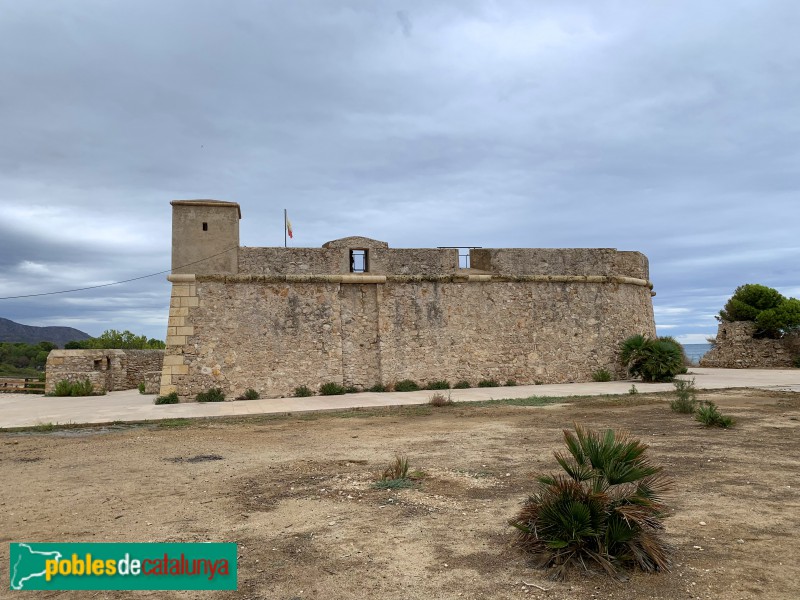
[{"x": 284, "y": 227}]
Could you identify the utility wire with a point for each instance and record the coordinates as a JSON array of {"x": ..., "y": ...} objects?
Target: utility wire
[{"x": 94, "y": 287}]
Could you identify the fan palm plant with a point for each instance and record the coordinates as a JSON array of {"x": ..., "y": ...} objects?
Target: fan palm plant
[{"x": 605, "y": 509}]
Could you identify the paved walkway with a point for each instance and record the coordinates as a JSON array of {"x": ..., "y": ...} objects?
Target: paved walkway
[{"x": 19, "y": 410}]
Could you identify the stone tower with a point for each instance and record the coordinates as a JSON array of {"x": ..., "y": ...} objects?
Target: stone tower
[{"x": 205, "y": 236}]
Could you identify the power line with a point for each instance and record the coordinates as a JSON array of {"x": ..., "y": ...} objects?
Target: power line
[{"x": 94, "y": 287}]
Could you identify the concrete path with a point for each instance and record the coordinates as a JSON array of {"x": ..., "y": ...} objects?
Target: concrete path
[{"x": 19, "y": 410}]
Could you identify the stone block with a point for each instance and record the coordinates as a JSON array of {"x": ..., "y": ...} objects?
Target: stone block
[{"x": 173, "y": 360}]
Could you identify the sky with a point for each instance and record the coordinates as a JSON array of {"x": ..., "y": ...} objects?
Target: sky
[{"x": 667, "y": 127}]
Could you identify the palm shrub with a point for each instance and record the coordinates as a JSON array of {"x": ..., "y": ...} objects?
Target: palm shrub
[
  {"x": 303, "y": 391},
  {"x": 605, "y": 509},
  {"x": 708, "y": 414},
  {"x": 484, "y": 383},
  {"x": 652, "y": 360},
  {"x": 461, "y": 385},
  {"x": 601, "y": 375}
]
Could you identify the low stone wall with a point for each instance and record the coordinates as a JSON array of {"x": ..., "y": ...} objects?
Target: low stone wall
[
  {"x": 736, "y": 348},
  {"x": 139, "y": 363},
  {"x": 152, "y": 382},
  {"x": 108, "y": 370}
]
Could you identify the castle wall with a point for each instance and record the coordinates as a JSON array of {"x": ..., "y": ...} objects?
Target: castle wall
[
  {"x": 275, "y": 319},
  {"x": 274, "y": 336},
  {"x": 736, "y": 348},
  {"x": 560, "y": 261},
  {"x": 382, "y": 261}
]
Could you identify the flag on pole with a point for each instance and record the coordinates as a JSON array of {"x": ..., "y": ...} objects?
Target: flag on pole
[{"x": 288, "y": 226}]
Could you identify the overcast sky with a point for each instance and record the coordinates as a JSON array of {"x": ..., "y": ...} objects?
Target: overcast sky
[{"x": 668, "y": 127}]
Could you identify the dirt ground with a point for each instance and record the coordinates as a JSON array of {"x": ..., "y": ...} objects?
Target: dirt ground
[{"x": 295, "y": 492}]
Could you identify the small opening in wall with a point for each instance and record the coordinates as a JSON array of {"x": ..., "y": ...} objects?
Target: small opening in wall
[
  {"x": 359, "y": 261},
  {"x": 98, "y": 364},
  {"x": 205, "y": 226}
]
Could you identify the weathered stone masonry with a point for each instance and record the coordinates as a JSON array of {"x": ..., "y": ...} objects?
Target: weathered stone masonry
[
  {"x": 278, "y": 318},
  {"x": 736, "y": 348},
  {"x": 108, "y": 370}
]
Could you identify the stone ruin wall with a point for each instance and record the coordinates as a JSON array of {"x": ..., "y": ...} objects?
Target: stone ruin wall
[
  {"x": 279, "y": 323},
  {"x": 108, "y": 370},
  {"x": 736, "y": 348}
]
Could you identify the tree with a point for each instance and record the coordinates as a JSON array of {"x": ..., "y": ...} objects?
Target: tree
[
  {"x": 748, "y": 301},
  {"x": 773, "y": 314},
  {"x": 113, "y": 339}
]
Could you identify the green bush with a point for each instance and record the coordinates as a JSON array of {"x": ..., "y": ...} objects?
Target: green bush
[
  {"x": 796, "y": 362},
  {"x": 652, "y": 360},
  {"x": 633, "y": 391},
  {"x": 438, "y": 385},
  {"x": 406, "y": 385},
  {"x": 462, "y": 385},
  {"x": 141, "y": 387},
  {"x": 62, "y": 388},
  {"x": 82, "y": 387},
  {"x": 511, "y": 383},
  {"x": 171, "y": 398},
  {"x": 251, "y": 394},
  {"x": 331, "y": 389},
  {"x": 686, "y": 402},
  {"x": 303, "y": 391},
  {"x": 601, "y": 375},
  {"x": 605, "y": 509},
  {"x": 212, "y": 395},
  {"x": 488, "y": 383},
  {"x": 708, "y": 414},
  {"x": 378, "y": 387}
]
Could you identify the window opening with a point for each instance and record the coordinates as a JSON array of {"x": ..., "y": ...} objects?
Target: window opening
[
  {"x": 359, "y": 261},
  {"x": 205, "y": 226},
  {"x": 463, "y": 254}
]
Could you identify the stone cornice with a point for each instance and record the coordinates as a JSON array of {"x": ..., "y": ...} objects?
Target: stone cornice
[{"x": 452, "y": 278}]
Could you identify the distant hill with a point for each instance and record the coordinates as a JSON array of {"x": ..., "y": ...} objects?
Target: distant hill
[{"x": 30, "y": 334}]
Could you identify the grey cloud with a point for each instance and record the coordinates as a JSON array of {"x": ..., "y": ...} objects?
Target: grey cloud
[{"x": 666, "y": 128}]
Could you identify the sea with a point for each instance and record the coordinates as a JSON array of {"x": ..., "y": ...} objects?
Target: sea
[{"x": 696, "y": 351}]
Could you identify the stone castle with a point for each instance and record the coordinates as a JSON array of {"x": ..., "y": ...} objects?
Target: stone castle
[{"x": 357, "y": 312}]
